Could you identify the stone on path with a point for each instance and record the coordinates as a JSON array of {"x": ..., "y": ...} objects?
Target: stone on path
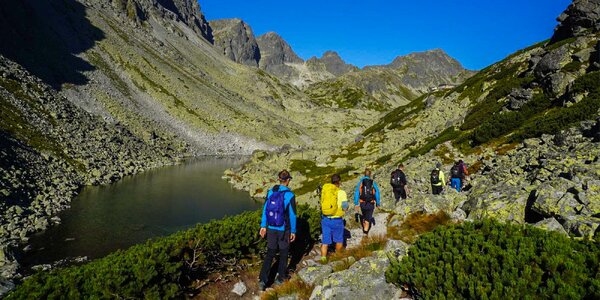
[{"x": 239, "y": 288}]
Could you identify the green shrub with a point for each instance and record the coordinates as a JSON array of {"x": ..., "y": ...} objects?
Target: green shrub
[
  {"x": 490, "y": 260},
  {"x": 483, "y": 110},
  {"x": 448, "y": 134},
  {"x": 501, "y": 124},
  {"x": 561, "y": 118},
  {"x": 161, "y": 267}
]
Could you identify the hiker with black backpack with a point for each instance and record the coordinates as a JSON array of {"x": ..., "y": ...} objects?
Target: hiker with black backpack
[
  {"x": 456, "y": 176},
  {"x": 366, "y": 197},
  {"x": 334, "y": 203},
  {"x": 437, "y": 179},
  {"x": 278, "y": 224},
  {"x": 398, "y": 183}
]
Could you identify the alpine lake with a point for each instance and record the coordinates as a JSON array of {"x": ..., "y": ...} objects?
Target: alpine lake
[{"x": 159, "y": 202}]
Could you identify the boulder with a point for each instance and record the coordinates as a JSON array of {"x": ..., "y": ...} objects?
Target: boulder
[
  {"x": 363, "y": 280},
  {"x": 552, "y": 61},
  {"x": 552, "y": 225},
  {"x": 554, "y": 202},
  {"x": 315, "y": 274},
  {"x": 397, "y": 247},
  {"x": 582, "y": 226},
  {"x": 5, "y": 287},
  {"x": 518, "y": 97}
]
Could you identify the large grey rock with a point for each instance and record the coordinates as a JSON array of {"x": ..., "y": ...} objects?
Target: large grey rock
[
  {"x": 235, "y": 39},
  {"x": 552, "y": 61},
  {"x": 553, "y": 201},
  {"x": 518, "y": 97},
  {"x": 552, "y": 225},
  {"x": 580, "y": 16},
  {"x": 397, "y": 247},
  {"x": 363, "y": 280},
  {"x": 315, "y": 274},
  {"x": 5, "y": 287}
]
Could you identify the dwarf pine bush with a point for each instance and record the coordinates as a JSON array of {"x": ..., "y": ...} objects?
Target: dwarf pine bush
[
  {"x": 160, "y": 268},
  {"x": 490, "y": 260}
]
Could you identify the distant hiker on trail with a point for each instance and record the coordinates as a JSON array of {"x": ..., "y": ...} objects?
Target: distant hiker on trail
[
  {"x": 438, "y": 180},
  {"x": 367, "y": 194},
  {"x": 456, "y": 175},
  {"x": 398, "y": 183},
  {"x": 465, "y": 173},
  {"x": 334, "y": 203},
  {"x": 278, "y": 224}
]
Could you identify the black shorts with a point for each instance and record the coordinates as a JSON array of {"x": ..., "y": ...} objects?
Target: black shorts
[
  {"x": 367, "y": 210},
  {"x": 399, "y": 193},
  {"x": 278, "y": 240}
]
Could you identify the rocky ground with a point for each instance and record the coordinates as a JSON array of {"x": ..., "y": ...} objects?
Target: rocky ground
[{"x": 550, "y": 182}]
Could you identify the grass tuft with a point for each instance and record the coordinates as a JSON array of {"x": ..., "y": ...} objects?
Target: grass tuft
[
  {"x": 294, "y": 286},
  {"x": 416, "y": 224}
]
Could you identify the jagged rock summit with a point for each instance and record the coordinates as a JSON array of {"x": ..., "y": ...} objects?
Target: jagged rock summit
[
  {"x": 580, "y": 16},
  {"x": 275, "y": 51},
  {"x": 332, "y": 63},
  {"x": 236, "y": 39}
]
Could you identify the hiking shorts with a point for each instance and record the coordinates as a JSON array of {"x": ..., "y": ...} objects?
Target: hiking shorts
[
  {"x": 333, "y": 230},
  {"x": 399, "y": 193},
  {"x": 436, "y": 189},
  {"x": 278, "y": 239}
]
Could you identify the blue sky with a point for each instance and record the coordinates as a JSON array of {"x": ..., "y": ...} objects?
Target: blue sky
[{"x": 477, "y": 33}]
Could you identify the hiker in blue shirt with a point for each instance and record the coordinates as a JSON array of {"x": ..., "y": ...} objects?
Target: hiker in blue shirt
[
  {"x": 367, "y": 194},
  {"x": 278, "y": 224}
]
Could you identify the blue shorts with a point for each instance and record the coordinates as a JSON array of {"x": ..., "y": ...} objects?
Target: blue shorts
[
  {"x": 333, "y": 230},
  {"x": 456, "y": 183}
]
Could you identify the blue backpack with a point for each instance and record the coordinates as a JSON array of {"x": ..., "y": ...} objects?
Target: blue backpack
[{"x": 275, "y": 209}]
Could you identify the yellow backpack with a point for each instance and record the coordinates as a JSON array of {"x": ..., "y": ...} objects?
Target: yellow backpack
[{"x": 329, "y": 194}]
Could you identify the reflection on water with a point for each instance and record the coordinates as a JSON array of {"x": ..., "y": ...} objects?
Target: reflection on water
[{"x": 156, "y": 203}]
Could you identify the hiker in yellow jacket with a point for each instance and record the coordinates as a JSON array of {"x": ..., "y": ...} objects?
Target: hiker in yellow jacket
[{"x": 334, "y": 203}]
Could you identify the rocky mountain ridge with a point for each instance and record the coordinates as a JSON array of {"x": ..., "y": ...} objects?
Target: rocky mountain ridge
[{"x": 417, "y": 72}]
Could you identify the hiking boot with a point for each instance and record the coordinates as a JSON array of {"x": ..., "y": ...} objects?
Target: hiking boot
[
  {"x": 373, "y": 221},
  {"x": 324, "y": 259},
  {"x": 261, "y": 286}
]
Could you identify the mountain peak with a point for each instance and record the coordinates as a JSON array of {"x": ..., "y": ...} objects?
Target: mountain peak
[
  {"x": 275, "y": 50},
  {"x": 236, "y": 40},
  {"x": 334, "y": 64}
]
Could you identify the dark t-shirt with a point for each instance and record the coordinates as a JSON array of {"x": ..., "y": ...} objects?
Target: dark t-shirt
[{"x": 402, "y": 176}]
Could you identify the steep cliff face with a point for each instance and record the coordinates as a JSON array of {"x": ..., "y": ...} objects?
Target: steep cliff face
[{"x": 236, "y": 40}]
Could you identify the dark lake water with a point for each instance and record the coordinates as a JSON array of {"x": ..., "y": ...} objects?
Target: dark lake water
[{"x": 159, "y": 202}]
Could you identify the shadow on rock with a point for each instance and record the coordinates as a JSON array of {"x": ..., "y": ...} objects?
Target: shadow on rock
[{"x": 45, "y": 37}]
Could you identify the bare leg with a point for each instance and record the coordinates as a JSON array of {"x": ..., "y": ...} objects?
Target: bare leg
[{"x": 324, "y": 250}]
